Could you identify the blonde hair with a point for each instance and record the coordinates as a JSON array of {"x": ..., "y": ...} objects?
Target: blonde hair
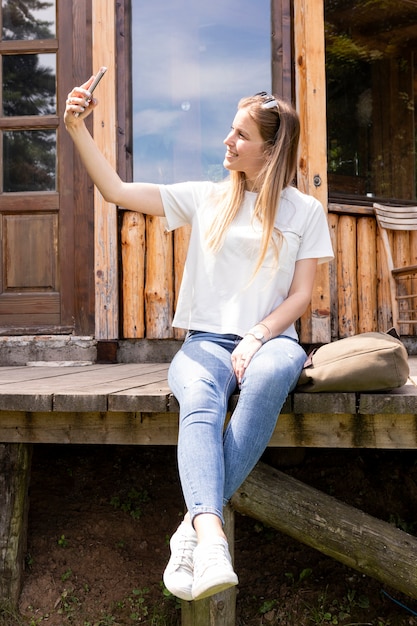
[{"x": 279, "y": 126}]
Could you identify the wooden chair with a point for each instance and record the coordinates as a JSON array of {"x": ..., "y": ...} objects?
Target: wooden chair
[{"x": 402, "y": 280}]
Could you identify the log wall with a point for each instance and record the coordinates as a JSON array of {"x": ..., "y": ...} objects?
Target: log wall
[{"x": 153, "y": 260}]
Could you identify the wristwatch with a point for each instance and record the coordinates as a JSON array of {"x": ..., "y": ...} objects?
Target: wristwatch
[{"x": 258, "y": 335}]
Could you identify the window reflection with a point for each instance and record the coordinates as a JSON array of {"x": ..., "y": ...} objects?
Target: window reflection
[
  {"x": 29, "y": 160},
  {"x": 29, "y": 84},
  {"x": 371, "y": 78},
  {"x": 30, "y": 19},
  {"x": 192, "y": 62}
]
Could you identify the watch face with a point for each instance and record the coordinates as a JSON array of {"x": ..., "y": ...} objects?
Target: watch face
[{"x": 259, "y": 335}]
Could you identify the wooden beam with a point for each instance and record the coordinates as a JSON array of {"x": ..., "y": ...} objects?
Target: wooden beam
[
  {"x": 369, "y": 545},
  {"x": 15, "y": 466},
  {"x": 104, "y": 130},
  {"x": 311, "y": 430},
  {"x": 312, "y": 162}
]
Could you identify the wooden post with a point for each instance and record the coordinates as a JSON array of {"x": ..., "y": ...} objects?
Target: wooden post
[
  {"x": 133, "y": 274},
  {"x": 219, "y": 610},
  {"x": 312, "y": 161},
  {"x": 367, "y": 275},
  {"x": 159, "y": 284},
  {"x": 333, "y": 220},
  {"x": 347, "y": 276},
  {"x": 401, "y": 254},
  {"x": 369, "y": 545},
  {"x": 385, "y": 318},
  {"x": 104, "y": 131},
  {"x": 15, "y": 465},
  {"x": 181, "y": 241}
]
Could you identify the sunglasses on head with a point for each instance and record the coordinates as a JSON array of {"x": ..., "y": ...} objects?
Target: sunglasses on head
[{"x": 269, "y": 102}]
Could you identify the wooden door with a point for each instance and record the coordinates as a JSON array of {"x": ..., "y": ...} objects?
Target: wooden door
[{"x": 43, "y": 273}]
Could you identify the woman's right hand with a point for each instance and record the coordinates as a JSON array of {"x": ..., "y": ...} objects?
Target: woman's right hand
[{"x": 79, "y": 104}]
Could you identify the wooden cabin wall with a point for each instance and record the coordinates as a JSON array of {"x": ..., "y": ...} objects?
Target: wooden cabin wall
[
  {"x": 360, "y": 295},
  {"x": 359, "y": 290}
]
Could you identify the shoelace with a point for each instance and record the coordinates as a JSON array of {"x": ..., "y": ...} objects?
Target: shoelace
[
  {"x": 214, "y": 554},
  {"x": 183, "y": 552}
]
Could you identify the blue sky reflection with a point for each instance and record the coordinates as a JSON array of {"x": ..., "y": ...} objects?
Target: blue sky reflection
[{"x": 192, "y": 62}]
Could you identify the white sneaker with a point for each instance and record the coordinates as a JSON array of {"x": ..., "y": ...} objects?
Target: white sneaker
[
  {"x": 213, "y": 571},
  {"x": 178, "y": 575}
]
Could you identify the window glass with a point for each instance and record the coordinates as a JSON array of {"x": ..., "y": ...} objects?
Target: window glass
[
  {"x": 29, "y": 160},
  {"x": 371, "y": 91},
  {"x": 29, "y": 84},
  {"x": 192, "y": 62},
  {"x": 30, "y": 19}
]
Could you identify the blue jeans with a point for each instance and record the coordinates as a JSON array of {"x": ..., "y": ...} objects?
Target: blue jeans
[{"x": 213, "y": 462}]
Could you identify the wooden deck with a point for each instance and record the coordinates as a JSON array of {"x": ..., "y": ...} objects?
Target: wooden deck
[{"x": 132, "y": 404}]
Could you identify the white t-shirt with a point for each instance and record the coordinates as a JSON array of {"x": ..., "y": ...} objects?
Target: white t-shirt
[{"x": 218, "y": 292}]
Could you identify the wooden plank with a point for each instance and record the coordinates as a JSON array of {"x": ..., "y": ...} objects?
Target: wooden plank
[
  {"x": 26, "y": 401},
  {"x": 85, "y": 389},
  {"x": 29, "y": 46},
  {"x": 84, "y": 375},
  {"x": 350, "y": 208},
  {"x": 318, "y": 430},
  {"x": 89, "y": 428},
  {"x": 345, "y": 431},
  {"x": 281, "y": 48},
  {"x": 154, "y": 397},
  {"x": 22, "y": 374},
  {"x": 312, "y": 161},
  {"x": 398, "y": 404},
  {"x": 79, "y": 199},
  {"x": 105, "y": 132},
  {"x": 39, "y": 201},
  {"x": 324, "y": 403}
]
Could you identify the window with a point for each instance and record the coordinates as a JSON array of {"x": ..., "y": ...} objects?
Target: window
[
  {"x": 192, "y": 62},
  {"x": 371, "y": 82},
  {"x": 28, "y": 91}
]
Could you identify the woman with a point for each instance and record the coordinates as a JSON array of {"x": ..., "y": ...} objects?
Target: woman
[{"x": 254, "y": 247}]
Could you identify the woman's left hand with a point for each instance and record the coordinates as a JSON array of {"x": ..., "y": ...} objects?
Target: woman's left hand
[{"x": 243, "y": 353}]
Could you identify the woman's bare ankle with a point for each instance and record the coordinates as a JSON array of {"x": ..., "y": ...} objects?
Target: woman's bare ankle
[{"x": 208, "y": 526}]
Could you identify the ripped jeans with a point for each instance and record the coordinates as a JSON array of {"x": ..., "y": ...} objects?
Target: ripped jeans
[{"x": 214, "y": 461}]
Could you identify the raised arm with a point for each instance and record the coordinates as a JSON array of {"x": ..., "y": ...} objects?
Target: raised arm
[{"x": 141, "y": 197}]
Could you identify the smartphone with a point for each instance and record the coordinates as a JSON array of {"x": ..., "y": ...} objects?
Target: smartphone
[
  {"x": 98, "y": 78},
  {"x": 95, "y": 82}
]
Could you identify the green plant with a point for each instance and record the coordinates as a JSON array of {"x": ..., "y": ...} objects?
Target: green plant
[
  {"x": 131, "y": 503},
  {"x": 336, "y": 611},
  {"x": 138, "y": 608},
  {"x": 322, "y": 615},
  {"x": 68, "y": 603},
  {"x": 62, "y": 541},
  {"x": 303, "y": 575},
  {"x": 66, "y": 575},
  {"x": 267, "y": 606}
]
